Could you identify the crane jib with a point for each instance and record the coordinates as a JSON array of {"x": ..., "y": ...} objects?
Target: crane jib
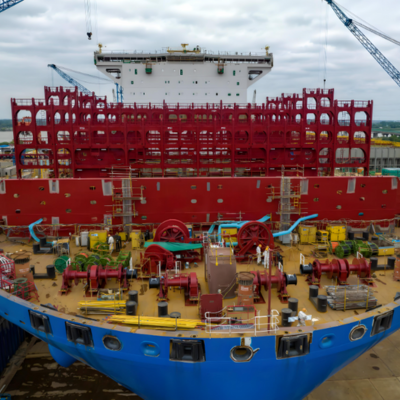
[{"x": 351, "y": 25}]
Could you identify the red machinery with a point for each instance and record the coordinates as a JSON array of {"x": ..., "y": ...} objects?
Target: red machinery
[
  {"x": 172, "y": 230},
  {"x": 280, "y": 281},
  {"x": 251, "y": 235},
  {"x": 156, "y": 254},
  {"x": 182, "y": 281},
  {"x": 96, "y": 277},
  {"x": 337, "y": 269}
]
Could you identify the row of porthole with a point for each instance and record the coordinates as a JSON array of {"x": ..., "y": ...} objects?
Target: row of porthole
[
  {"x": 246, "y": 353},
  {"x": 149, "y": 349}
]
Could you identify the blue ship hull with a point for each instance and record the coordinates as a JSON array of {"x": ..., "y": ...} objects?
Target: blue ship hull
[{"x": 155, "y": 377}]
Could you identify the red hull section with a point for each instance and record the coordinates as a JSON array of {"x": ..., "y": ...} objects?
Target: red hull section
[
  {"x": 78, "y": 135},
  {"x": 196, "y": 200}
]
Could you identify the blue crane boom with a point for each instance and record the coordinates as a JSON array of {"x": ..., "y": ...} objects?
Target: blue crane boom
[
  {"x": 69, "y": 79},
  {"x": 6, "y": 4},
  {"x": 369, "y": 46}
]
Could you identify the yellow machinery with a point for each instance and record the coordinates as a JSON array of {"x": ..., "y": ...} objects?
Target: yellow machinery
[
  {"x": 137, "y": 238},
  {"x": 229, "y": 234},
  {"x": 337, "y": 233},
  {"x": 97, "y": 236},
  {"x": 322, "y": 236},
  {"x": 307, "y": 233},
  {"x": 123, "y": 236},
  {"x": 386, "y": 251}
]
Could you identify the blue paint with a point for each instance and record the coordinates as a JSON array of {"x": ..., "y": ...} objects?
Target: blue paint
[
  {"x": 294, "y": 225},
  {"x": 31, "y": 229},
  {"x": 11, "y": 337},
  {"x": 64, "y": 359},
  {"x": 330, "y": 350}
]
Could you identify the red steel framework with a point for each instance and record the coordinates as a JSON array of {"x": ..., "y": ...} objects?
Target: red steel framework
[{"x": 79, "y": 135}]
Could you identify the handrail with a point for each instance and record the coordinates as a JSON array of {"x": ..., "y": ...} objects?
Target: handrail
[{"x": 254, "y": 322}]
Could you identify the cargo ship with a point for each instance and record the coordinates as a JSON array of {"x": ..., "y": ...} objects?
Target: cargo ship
[{"x": 237, "y": 253}]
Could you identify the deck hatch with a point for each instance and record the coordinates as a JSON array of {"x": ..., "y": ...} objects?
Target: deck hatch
[
  {"x": 40, "y": 322},
  {"x": 79, "y": 334},
  {"x": 187, "y": 350},
  {"x": 293, "y": 346},
  {"x": 382, "y": 323}
]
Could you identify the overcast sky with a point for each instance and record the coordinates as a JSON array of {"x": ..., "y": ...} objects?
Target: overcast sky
[{"x": 35, "y": 33}]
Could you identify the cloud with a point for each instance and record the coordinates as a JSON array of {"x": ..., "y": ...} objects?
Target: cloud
[{"x": 37, "y": 33}]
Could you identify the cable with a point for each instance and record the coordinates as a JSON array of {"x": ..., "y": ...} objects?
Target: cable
[
  {"x": 86, "y": 5},
  {"x": 82, "y": 73},
  {"x": 369, "y": 27},
  {"x": 325, "y": 61}
]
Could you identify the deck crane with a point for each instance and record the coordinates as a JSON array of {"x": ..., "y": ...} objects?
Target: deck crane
[
  {"x": 119, "y": 98},
  {"x": 69, "y": 79},
  {"x": 6, "y": 4},
  {"x": 352, "y": 26}
]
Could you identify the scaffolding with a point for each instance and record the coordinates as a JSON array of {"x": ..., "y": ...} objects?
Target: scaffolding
[{"x": 125, "y": 194}]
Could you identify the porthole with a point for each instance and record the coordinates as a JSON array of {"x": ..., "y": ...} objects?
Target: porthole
[
  {"x": 193, "y": 187},
  {"x": 144, "y": 217},
  {"x": 242, "y": 353},
  {"x": 316, "y": 199},
  {"x": 194, "y": 201},
  {"x": 92, "y": 188},
  {"x": 219, "y": 186},
  {"x": 112, "y": 343},
  {"x": 383, "y": 206},
  {"x": 339, "y": 192},
  {"x": 41, "y": 187},
  {"x": 68, "y": 210},
  {"x": 357, "y": 332},
  {"x": 363, "y": 185},
  {"x": 316, "y": 186},
  {"x": 362, "y": 198},
  {"x": 42, "y": 203},
  {"x": 384, "y": 191},
  {"x": 67, "y": 194},
  {"x": 16, "y": 195},
  {"x": 338, "y": 207},
  {"x": 93, "y": 202},
  {"x": 220, "y": 201},
  {"x": 143, "y": 201}
]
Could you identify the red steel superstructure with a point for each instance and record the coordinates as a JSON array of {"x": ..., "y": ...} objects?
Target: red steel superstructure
[{"x": 79, "y": 135}]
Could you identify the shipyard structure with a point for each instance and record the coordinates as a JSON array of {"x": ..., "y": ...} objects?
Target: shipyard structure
[{"x": 71, "y": 134}]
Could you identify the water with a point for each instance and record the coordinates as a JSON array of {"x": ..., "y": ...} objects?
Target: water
[{"x": 6, "y": 136}]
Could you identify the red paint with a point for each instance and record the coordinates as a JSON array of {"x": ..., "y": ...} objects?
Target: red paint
[{"x": 246, "y": 198}]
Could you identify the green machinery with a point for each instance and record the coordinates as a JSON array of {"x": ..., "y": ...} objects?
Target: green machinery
[
  {"x": 83, "y": 260},
  {"x": 348, "y": 247}
]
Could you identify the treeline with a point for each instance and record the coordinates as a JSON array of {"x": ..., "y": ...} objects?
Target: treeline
[
  {"x": 393, "y": 138},
  {"x": 5, "y": 125},
  {"x": 386, "y": 124}
]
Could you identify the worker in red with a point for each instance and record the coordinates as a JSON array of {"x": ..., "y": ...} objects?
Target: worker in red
[{"x": 111, "y": 243}]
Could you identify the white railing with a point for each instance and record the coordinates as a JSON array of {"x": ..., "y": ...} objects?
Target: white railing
[
  {"x": 202, "y": 52},
  {"x": 257, "y": 324}
]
